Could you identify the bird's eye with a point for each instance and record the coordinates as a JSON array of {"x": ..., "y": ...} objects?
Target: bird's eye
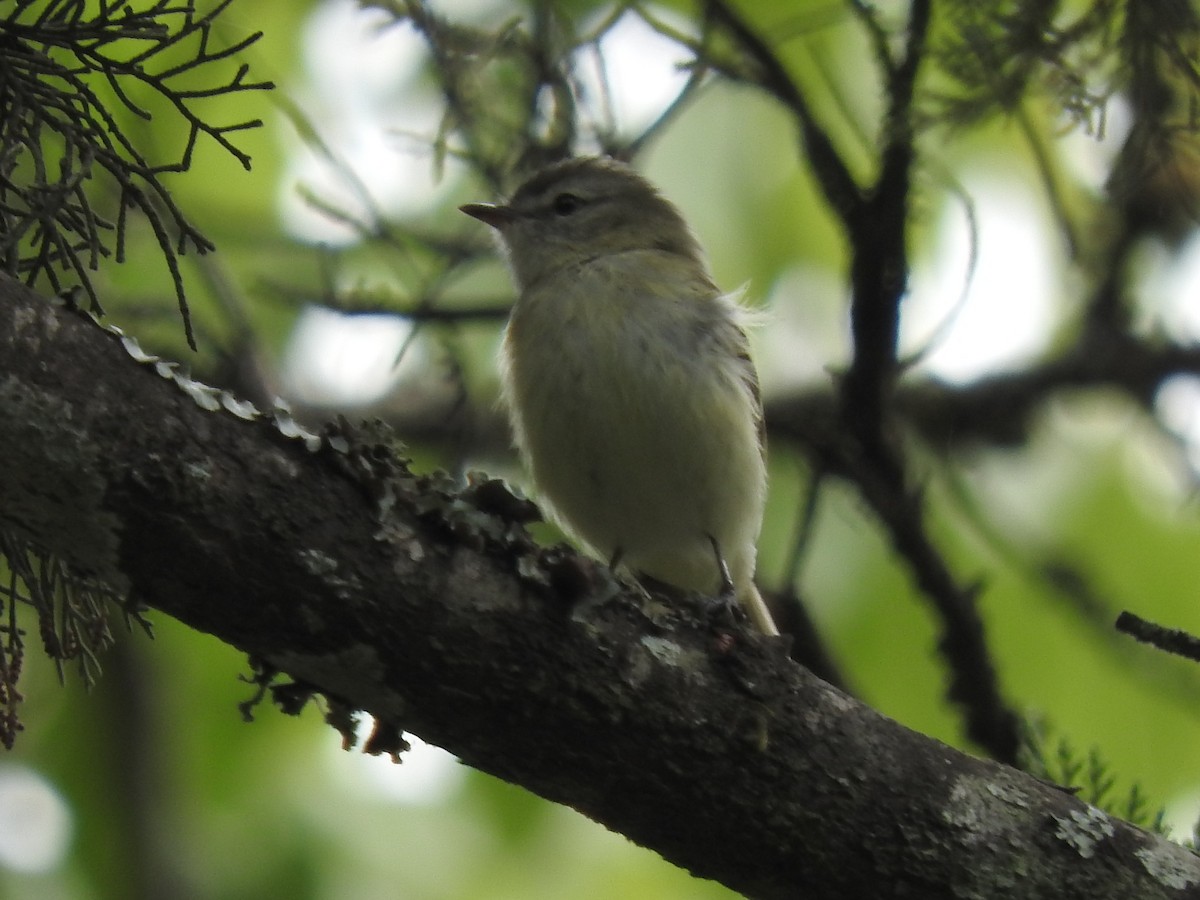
[{"x": 565, "y": 204}]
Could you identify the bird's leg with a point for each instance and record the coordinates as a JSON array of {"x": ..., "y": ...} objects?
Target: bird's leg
[
  {"x": 726, "y": 598},
  {"x": 723, "y": 568}
]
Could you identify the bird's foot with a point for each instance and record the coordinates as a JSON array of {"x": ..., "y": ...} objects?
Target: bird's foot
[{"x": 722, "y": 607}]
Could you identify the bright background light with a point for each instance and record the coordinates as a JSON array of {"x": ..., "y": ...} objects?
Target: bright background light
[
  {"x": 1178, "y": 406},
  {"x": 1008, "y": 314},
  {"x": 35, "y": 822},
  {"x": 426, "y": 774},
  {"x": 637, "y": 70},
  {"x": 1170, "y": 290},
  {"x": 337, "y": 359},
  {"x": 363, "y": 96}
]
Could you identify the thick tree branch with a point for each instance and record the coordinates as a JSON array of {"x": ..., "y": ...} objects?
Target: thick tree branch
[
  {"x": 999, "y": 410},
  {"x": 879, "y": 268},
  {"x": 438, "y": 615},
  {"x": 878, "y": 233}
]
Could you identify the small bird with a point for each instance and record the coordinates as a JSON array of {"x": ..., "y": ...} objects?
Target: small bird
[{"x": 627, "y": 376}]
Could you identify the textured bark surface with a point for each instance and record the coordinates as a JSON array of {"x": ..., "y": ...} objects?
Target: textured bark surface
[{"x": 431, "y": 610}]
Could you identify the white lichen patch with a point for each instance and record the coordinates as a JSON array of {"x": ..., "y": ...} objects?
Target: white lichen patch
[
  {"x": 830, "y": 712},
  {"x": 963, "y": 809},
  {"x": 652, "y": 655},
  {"x": 135, "y": 351},
  {"x": 318, "y": 562},
  {"x": 204, "y": 396},
  {"x": 200, "y": 470},
  {"x": 837, "y": 702},
  {"x": 243, "y": 409},
  {"x": 1172, "y": 867},
  {"x": 290, "y": 428},
  {"x": 326, "y": 568},
  {"x": 985, "y": 807},
  {"x": 212, "y": 399},
  {"x": 1009, "y": 793},
  {"x": 673, "y": 654},
  {"x": 31, "y": 324},
  {"x": 1084, "y": 830}
]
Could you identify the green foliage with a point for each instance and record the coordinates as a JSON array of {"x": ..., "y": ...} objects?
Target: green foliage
[
  {"x": 997, "y": 55},
  {"x": 72, "y": 616},
  {"x": 1088, "y": 776}
]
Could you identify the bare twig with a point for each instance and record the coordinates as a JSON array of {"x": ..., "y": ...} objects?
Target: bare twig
[{"x": 1170, "y": 640}]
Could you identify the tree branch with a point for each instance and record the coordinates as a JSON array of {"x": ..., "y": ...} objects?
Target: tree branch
[
  {"x": 434, "y": 611},
  {"x": 1172, "y": 640},
  {"x": 875, "y": 220}
]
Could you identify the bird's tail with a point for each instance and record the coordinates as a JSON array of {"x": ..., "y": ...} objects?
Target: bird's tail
[{"x": 756, "y": 607}]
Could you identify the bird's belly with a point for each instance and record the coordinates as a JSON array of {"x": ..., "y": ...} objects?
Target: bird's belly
[{"x": 641, "y": 449}]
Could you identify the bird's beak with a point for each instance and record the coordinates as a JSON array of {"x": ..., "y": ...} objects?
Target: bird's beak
[{"x": 490, "y": 213}]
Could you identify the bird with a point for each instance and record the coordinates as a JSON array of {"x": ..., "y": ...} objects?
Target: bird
[{"x": 627, "y": 377}]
